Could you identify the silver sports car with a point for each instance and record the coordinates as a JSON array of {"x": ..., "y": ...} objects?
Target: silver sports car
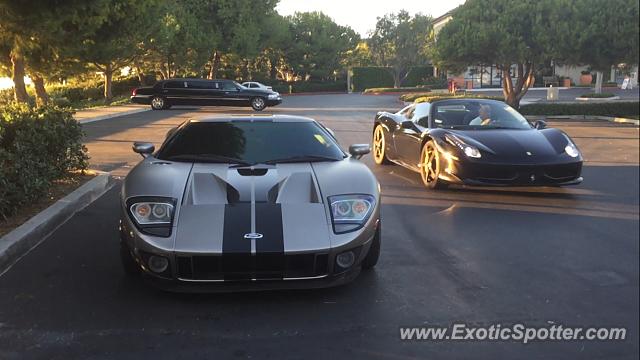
[{"x": 249, "y": 202}]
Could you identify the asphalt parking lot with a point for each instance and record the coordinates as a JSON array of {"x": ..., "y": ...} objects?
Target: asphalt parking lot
[{"x": 536, "y": 256}]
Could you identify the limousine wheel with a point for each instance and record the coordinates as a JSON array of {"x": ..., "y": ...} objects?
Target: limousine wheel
[
  {"x": 158, "y": 103},
  {"x": 258, "y": 104}
]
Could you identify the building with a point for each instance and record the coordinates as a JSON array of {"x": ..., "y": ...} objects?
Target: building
[{"x": 489, "y": 76}]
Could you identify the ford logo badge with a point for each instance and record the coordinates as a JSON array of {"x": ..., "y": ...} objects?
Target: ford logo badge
[{"x": 253, "y": 236}]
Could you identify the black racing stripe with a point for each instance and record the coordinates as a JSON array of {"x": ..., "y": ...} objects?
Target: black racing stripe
[
  {"x": 270, "y": 261},
  {"x": 236, "y": 250}
]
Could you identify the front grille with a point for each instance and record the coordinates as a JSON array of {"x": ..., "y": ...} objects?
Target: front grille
[
  {"x": 524, "y": 174},
  {"x": 244, "y": 267}
]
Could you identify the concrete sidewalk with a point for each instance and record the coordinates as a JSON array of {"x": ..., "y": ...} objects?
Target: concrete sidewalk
[{"x": 107, "y": 112}]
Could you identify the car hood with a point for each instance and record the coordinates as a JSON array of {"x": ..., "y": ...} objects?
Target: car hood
[
  {"x": 223, "y": 206},
  {"x": 516, "y": 145}
]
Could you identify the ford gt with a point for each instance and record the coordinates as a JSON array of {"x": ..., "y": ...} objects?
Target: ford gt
[{"x": 247, "y": 203}]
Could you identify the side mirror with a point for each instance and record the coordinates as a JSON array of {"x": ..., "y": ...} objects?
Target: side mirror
[
  {"x": 359, "y": 150},
  {"x": 143, "y": 148},
  {"x": 407, "y": 124},
  {"x": 540, "y": 124}
]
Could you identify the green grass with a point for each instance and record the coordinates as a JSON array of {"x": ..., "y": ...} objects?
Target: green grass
[
  {"x": 597, "y": 96},
  {"x": 423, "y": 89}
]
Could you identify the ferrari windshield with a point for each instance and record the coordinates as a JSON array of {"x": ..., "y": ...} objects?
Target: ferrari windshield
[
  {"x": 477, "y": 115},
  {"x": 251, "y": 142}
]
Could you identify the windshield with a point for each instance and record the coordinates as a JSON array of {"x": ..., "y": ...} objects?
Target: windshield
[
  {"x": 246, "y": 142},
  {"x": 474, "y": 114}
]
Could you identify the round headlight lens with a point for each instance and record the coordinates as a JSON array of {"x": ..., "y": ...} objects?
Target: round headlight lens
[
  {"x": 571, "y": 150},
  {"x": 346, "y": 259},
  {"x": 471, "y": 151},
  {"x": 143, "y": 210}
]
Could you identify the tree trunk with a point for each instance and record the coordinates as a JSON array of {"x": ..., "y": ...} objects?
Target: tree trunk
[
  {"x": 599, "y": 82},
  {"x": 141, "y": 77},
  {"x": 17, "y": 75},
  {"x": 42, "y": 98},
  {"x": 215, "y": 64},
  {"x": 108, "y": 76}
]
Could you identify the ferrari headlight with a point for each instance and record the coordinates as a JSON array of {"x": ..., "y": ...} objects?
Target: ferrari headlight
[
  {"x": 350, "y": 212},
  {"x": 469, "y": 150},
  {"x": 571, "y": 150}
]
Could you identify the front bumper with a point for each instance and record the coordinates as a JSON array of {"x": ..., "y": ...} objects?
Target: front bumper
[
  {"x": 205, "y": 272},
  {"x": 488, "y": 174},
  {"x": 274, "y": 102}
]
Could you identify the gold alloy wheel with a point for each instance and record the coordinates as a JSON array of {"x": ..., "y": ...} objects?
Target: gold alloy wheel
[
  {"x": 430, "y": 165},
  {"x": 378, "y": 145}
]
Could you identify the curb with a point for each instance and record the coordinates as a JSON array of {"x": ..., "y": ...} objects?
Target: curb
[
  {"x": 315, "y": 93},
  {"x": 619, "y": 120},
  {"x": 579, "y": 98},
  {"x": 27, "y": 236},
  {"x": 111, "y": 116}
]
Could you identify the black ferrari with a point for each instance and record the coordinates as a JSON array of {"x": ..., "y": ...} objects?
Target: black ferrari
[{"x": 475, "y": 142}]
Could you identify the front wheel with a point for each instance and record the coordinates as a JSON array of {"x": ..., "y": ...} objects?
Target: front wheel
[
  {"x": 129, "y": 264},
  {"x": 379, "y": 145},
  {"x": 158, "y": 103},
  {"x": 258, "y": 104},
  {"x": 374, "y": 250},
  {"x": 430, "y": 166}
]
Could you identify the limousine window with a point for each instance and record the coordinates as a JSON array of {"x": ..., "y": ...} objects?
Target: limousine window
[
  {"x": 227, "y": 85},
  {"x": 175, "y": 84},
  {"x": 208, "y": 85}
]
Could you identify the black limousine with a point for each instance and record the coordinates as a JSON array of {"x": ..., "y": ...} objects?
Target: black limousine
[{"x": 170, "y": 92}]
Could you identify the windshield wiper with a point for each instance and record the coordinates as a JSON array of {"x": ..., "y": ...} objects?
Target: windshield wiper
[
  {"x": 208, "y": 158},
  {"x": 300, "y": 158}
]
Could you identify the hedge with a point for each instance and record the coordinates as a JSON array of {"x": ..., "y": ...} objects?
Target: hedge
[
  {"x": 613, "y": 108},
  {"x": 597, "y": 96},
  {"x": 310, "y": 86},
  {"x": 421, "y": 89},
  {"x": 371, "y": 77},
  {"x": 427, "y": 97},
  {"x": 37, "y": 147}
]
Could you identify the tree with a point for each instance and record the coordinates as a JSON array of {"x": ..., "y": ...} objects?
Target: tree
[
  {"x": 319, "y": 45},
  {"x": 596, "y": 33},
  {"x": 512, "y": 34},
  {"x": 400, "y": 42}
]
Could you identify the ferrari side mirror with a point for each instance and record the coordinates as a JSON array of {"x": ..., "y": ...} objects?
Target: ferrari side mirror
[
  {"x": 143, "y": 148},
  {"x": 359, "y": 150},
  {"x": 407, "y": 124},
  {"x": 540, "y": 124}
]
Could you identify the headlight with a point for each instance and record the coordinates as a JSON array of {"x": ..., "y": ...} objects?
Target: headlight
[
  {"x": 273, "y": 96},
  {"x": 152, "y": 215},
  {"x": 350, "y": 212},
  {"x": 469, "y": 150},
  {"x": 571, "y": 150}
]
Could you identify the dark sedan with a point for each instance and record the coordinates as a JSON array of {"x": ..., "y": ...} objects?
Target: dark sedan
[
  {"x": 166, "y": 93},
  {"x": 475, "y": 142}
]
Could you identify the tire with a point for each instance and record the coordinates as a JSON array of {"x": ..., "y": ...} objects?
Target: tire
[
  {"x": 158, "y": 103},
  {"x": 129, "y": 265},
  {"x": 379, "y": 144},
  {"x": 430, "y": 167},
  {"x": 258, "y": 103},
  {"x": 374, "y": 250}
]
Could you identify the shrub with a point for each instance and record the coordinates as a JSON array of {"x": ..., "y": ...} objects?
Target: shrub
[
  {"x": 371, "y": 77},
  {"x": 613, "y": 108},
  {"x": 427, "y": 97},
  {"x": 597, "y": 96},
  {"x": 37, "y": 146},
  {"x": 422, "y": 89},
  {"x": 310, "y": 86}
]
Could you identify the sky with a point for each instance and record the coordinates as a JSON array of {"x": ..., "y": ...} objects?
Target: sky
[{"x": 361, "y": 15}]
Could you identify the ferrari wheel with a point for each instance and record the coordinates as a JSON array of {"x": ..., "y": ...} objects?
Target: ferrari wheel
[
  {"x": 128, "y": 263},
  {"x": 430, "y": 166},
  {"x": 379, "y": 155},
  {"x": 374, "y": 251}
]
